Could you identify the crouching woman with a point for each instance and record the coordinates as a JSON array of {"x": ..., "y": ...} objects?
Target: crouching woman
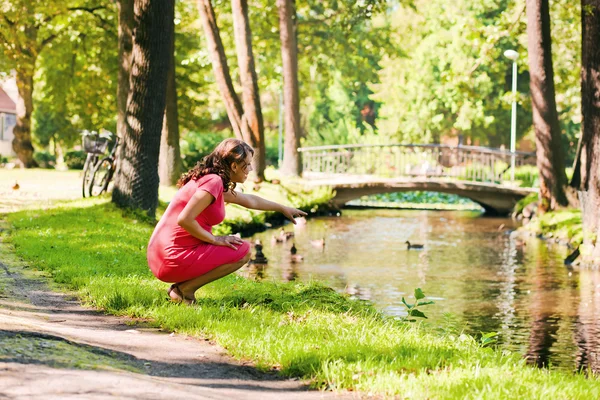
[{"x": 182, "y": 249}]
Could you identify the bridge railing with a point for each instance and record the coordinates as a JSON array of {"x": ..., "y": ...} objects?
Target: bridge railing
[{"x": 472, "y": 163}]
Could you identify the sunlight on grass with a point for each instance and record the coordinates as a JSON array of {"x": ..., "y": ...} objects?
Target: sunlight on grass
[{"x": 304, "y": 330}]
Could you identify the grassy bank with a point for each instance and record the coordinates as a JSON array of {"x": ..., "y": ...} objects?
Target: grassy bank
[{"x": 304, "y": 330}]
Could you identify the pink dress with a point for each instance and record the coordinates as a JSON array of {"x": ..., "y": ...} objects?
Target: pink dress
[{"x": 173, "y": 254}]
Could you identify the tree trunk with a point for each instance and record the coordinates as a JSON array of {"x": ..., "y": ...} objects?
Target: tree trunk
[
  {"x": 221, "y": 69},
  {"x": 250, "y": 97},
  {"x": 549, "y": 152},
  {"x": 289, "y": 54},
  {"x": 125, "y": 45},
  {"x": 170, "y": 165},
  {"x": 589, "y": 171},
  {"x": 21, "y": 143},
  {"x": 136, "y": 184}
]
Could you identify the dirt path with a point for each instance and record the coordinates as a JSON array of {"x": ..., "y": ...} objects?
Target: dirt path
[{"x": 53, "y": 348}]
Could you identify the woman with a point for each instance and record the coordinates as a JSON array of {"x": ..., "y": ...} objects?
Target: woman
[{"x": 182, "y": 248}]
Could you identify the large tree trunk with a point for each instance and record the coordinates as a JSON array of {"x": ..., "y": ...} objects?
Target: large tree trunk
[
  {"x": 289, "y": 54},
  {"x": 170, "y": 165},
  {"x": 136, "y": 184},
  {"x": 550, "y": 157},
  {"x": 125, "y": 45},
  {"x": 252, "y": 117},
  {"x": 221, "y": 69},
  {"x": 589, "y": 170},
  {"x": 21, "y": 143}
]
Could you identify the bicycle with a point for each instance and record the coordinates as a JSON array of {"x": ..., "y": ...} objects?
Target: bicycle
[{"x": 98, "y": 171}]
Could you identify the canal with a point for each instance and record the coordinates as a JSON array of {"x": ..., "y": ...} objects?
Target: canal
[{"x": 481, "y": 275}]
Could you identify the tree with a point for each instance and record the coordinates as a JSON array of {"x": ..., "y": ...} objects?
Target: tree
[
  {"x": 289, "y": 56},
  {"x": 170, "y": 165},
  {"x": 586, "y": 176},
  {"x": 125, "y": 47},
  {"x": 24, "y": 32},
  {"x": 136, "y": 183},
  {"x": 28, "y": 27},
  {"x": 549, "y": 152},
  {"x": 220, "y": 66},
  {"x": 246, "y": 124},
  {"x": 252, "y": 118},
  {"x": 75, "y": 79}
]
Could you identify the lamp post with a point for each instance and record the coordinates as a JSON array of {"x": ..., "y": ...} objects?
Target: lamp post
[{"x": 513, "y": 55}]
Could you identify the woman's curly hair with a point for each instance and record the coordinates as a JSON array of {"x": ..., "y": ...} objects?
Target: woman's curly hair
[{"x": 219, "y": 162}]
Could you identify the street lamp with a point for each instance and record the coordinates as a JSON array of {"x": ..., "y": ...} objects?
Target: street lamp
[{"x": 513, "y": 55}]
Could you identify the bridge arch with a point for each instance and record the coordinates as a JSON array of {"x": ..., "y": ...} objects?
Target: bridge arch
[
  {"x": 484, "y": 175},
  {"x": 495, "y": 199}
]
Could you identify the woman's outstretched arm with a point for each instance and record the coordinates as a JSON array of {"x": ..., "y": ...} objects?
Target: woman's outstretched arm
[{"x": 258, "y": 203}]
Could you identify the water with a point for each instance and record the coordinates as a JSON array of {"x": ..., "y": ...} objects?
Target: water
[{"x": 481, "y": 276}]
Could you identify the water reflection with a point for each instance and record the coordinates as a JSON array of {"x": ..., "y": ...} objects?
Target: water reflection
[
  {"x": 588, "y": 322},
  {"x": 487, "y": 278}
]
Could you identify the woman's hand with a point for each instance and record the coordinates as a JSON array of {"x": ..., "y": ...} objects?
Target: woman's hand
[
  {"x": 230, "y": 241},
  {"x": 291, "y": 213}
]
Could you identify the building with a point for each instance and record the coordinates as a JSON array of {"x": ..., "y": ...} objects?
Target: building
[{"x": 8, "y": 119}]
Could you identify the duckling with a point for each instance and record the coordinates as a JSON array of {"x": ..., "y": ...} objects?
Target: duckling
[
  {"x": 16, "y": 186},
  {"x": 318, "y": 243},
  {"x": 295, "y": 257},
  {"x": 276, "y": 239},
  {"x": 285, "y": 235},
  {"x": 413, "y": 246},
  {"x": 300, "y": 221}
]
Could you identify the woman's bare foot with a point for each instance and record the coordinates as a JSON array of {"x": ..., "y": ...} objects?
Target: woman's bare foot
[{"x": 178, "y": 296}]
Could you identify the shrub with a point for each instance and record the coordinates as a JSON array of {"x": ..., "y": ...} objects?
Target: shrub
[
  {"x": 75, "y": 159},
  {"x": 44, "y": 159}
]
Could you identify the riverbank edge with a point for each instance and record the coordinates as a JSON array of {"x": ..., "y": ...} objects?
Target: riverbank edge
[
  {"x": 563, "y": 226},
  {"x": 358, "y": 375}
]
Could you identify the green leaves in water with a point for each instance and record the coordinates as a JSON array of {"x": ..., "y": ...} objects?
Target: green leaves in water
[{"x": 413, "y": 309}]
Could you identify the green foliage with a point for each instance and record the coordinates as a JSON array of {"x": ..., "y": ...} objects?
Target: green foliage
[
  {"x": 75, "y": 159},
  {"x": 562, "y": 224},
  {"x": 303, "y": 329},
  {"x": 44, "y": 159},
  {"x": 413, "y": 309},
  {"x": 453, "y": 79},
  {"x": 197, "y": 145},
  {"x": 419, "y": 197},
  {"x": 487, "y": 339},
  {"x": 524, "y": 202}
]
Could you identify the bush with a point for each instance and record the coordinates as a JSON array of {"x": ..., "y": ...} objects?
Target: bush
[
  {"x": 75, "y": 159},
  {"x": 44, "y": 159},
  {"x": 197, "y": 145}
]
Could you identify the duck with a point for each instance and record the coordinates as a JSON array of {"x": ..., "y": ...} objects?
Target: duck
[
  {"x": 318, "y": 243},
  {"x": 285, "y": 235},
  {"x": 16, "y": 186},
  {"x": 300, "y": 221},
  {"x": 295, "y": 257},
  {"x": 413, "y": 246},
  {"x": 276, "y": 239},
  {"x": 572, "y": 257}
]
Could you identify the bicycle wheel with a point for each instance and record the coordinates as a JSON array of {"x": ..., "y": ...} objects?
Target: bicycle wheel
[
  {"x": 88, "y": 168},
  {"x": 101, "y": 176}
]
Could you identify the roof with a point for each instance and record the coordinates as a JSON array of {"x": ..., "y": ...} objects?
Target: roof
[{"x": 6, "y": 104}]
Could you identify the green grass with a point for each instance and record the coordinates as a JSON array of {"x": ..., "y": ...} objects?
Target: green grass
[
  {"x": 562, "y": 224},
  {"x": 304, "y": 330}
]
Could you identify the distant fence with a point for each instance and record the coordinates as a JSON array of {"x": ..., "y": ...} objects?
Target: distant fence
[{"x": 471, "y": 163}]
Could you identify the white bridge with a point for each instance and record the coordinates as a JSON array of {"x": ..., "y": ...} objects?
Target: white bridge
[{"x": 478, "y": 173}]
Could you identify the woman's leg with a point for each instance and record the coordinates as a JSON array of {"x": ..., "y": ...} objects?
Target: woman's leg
[{"x": 189, "y": 287}]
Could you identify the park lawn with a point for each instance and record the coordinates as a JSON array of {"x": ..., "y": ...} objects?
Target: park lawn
[{"x": 303, "y": 330}]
